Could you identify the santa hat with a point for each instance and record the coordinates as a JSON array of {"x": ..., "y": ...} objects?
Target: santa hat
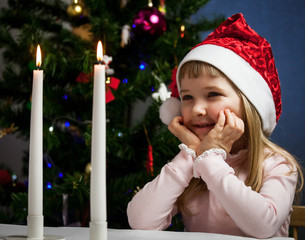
[{"x": 246, "y": 59}]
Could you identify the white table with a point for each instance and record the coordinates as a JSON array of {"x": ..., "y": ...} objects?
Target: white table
[{"x": 78, "y": 233}]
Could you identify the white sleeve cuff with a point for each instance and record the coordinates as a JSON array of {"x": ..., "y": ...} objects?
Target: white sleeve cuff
[
  {"x": 217, "y": 151},
  {"x": 188, "y": 150}
]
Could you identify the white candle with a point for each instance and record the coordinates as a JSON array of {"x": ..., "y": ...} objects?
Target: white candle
[
  {"x": 35, "y": 219},
  {"x": 98, "y": 148}
]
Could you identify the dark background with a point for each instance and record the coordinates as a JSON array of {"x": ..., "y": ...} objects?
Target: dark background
[{"x": 282, "y": 23}]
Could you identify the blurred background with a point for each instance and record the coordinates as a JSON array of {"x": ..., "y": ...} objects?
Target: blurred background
[{"x": 144, "y": 57}]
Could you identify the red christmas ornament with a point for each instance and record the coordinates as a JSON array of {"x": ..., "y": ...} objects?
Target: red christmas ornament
[
  {"x": 149, "y": 22},
  {"x": 150, "y": 160},
  {"x": 83, "y": 77},
  {"x": 114, "y": 84},
  {"x": 173, "y": 85},
  {"x": 5, "y": 178}
]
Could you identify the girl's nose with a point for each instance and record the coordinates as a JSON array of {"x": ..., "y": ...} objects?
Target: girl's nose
[{"x": 199, "y": 109}]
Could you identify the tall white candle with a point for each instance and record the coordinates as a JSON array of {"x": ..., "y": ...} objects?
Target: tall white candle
[
  {"x": 35, "y": 194},
  {"x": 98, "y": 148}
]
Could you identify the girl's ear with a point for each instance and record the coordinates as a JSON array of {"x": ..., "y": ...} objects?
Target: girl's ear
[{"x": 170, "y": 109}]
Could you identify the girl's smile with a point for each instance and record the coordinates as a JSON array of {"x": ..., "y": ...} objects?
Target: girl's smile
[{"x": 203, "y": 127}]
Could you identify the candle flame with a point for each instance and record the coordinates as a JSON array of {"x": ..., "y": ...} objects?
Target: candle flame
[
  {"x": 38, "y": 56},
  {"x": 99, "y": 52}
]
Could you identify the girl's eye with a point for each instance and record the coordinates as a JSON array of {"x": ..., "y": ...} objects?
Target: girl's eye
[
  {"x": 187, "y": 97},
  {"x": 213, "y": 94}
]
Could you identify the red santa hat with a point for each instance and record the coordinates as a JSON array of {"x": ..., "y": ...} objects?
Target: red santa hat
[{"x": 246, "y": 59}]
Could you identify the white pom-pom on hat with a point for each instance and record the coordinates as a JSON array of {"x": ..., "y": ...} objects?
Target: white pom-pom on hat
[{"x": 170, "y": 109}]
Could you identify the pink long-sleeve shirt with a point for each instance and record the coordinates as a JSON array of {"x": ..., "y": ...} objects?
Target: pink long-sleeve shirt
[{"x": 227, "y": 207}]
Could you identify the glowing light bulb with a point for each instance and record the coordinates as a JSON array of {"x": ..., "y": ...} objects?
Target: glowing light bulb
[
  {"x": 154, "y": 19},
  {"x": 78, "y": 9}
]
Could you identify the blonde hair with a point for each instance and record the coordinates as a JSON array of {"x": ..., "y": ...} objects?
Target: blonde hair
[{"x": 255, "y": 141}]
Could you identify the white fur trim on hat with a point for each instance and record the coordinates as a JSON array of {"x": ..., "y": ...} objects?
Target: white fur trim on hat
[
  {"x": 240, "y": 72},
  {"x": 170, "y": 109}
]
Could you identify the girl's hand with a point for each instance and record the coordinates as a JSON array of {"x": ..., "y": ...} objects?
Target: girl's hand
[
  {"x": 228, "y": 129},
  {"x": 184, "y": 134}
]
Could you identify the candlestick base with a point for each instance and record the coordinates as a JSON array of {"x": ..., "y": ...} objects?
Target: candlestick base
[
  {"x": 47, "y": 237},
  {"x": 98, "y": 230},
  {"x": 35, "y": 226},
  {"x": 35, "y": 231}
]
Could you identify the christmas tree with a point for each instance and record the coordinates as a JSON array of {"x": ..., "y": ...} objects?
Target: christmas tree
[{"x": 144, "y": 41}]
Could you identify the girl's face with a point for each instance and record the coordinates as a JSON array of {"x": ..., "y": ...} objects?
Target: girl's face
[{"x": 202, "y": 100}]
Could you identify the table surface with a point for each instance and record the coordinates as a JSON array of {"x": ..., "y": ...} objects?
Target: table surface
[{"x": 79, "y": 233}]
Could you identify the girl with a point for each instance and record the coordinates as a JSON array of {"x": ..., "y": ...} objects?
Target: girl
[{"x": 228, "y": 177}]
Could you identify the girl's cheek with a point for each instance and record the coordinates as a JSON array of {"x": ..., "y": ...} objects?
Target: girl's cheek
[
  {"x": 184, "y": 112},
  {"x": 185, "y": 115},
  {"x": 214, "y": 112}
]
